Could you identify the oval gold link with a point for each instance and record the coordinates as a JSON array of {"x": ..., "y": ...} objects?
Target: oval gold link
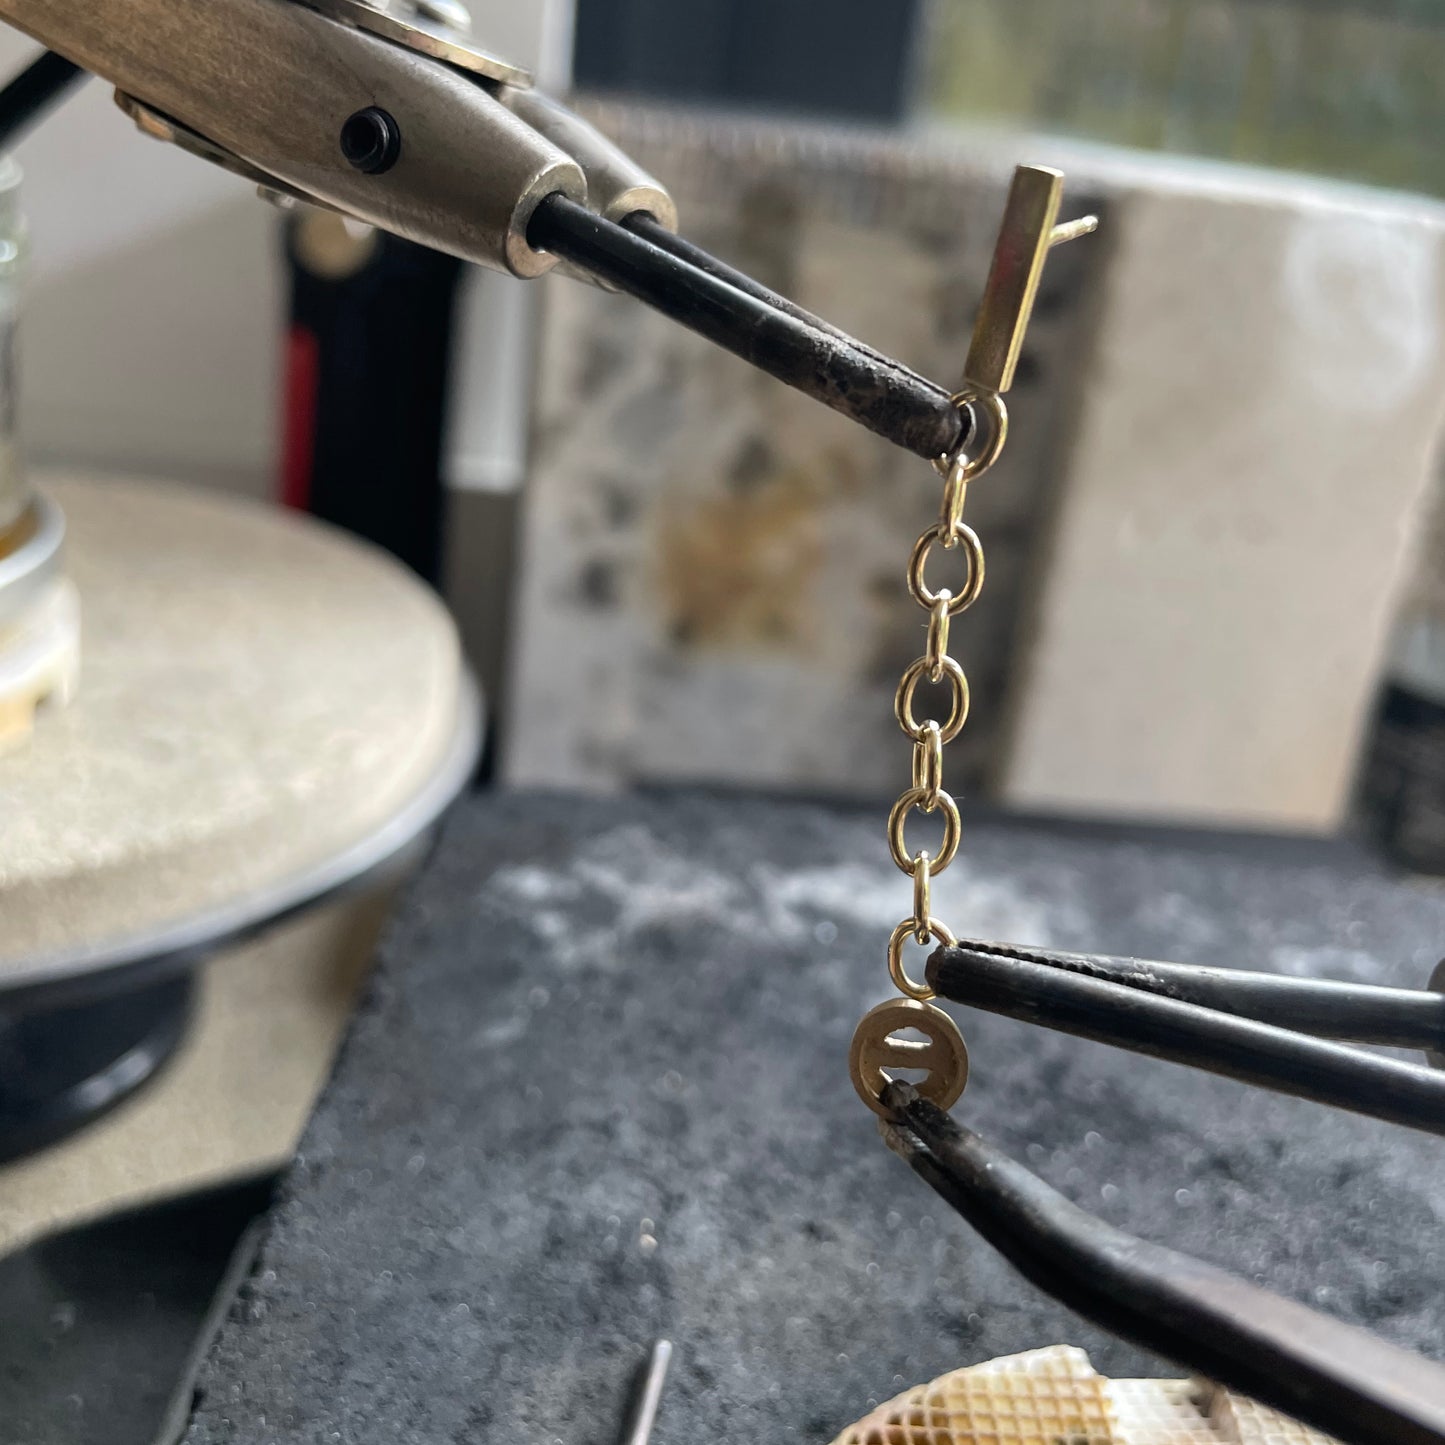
[
  {"x": 906, "y": 930},
  {"x": 952, "y": 829},
  {"x": 938, "y": 635},
  {"x": 928, "y": 762},
  {"x": 922, "y": 894},
  {"x": 913, "y": 674},
  {"x": 981, "y": 405},
  {"x": 918, "y": 588}
]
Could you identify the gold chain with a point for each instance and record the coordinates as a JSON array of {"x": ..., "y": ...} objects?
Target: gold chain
[
  {"x": 929, "y": 735},
  {"x": 875, "y": 1044},
  {"x": 1027, "y": 231}
]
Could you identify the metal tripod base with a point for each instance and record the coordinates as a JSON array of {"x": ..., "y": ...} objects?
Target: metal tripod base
[{"x": 62, "y": 1067}]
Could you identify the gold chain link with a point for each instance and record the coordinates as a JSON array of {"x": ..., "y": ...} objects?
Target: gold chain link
[
  {"x": 928, "y": 764},
  {"x": 929, "y": 735},
  {"x": 915, "y": 673},
  {"x": 923, "y": 892},
  {"x": 938, "y": 635},
  {"x": 919, "y": 589},
  {"x": 955, "y": 493}
]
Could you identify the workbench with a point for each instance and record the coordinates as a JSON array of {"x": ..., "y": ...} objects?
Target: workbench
[{"x": 599, "y": 1094}]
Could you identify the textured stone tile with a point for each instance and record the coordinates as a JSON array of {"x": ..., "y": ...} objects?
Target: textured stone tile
[{"x": 600, "y": 1094}]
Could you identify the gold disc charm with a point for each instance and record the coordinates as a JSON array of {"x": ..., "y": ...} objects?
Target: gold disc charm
[{"x": 942, "y": 1054}]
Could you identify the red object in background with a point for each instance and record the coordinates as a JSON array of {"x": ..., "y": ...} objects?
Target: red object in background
[
  {"x": 298, "y": 439},
  {"x": 367, "y": 357}
]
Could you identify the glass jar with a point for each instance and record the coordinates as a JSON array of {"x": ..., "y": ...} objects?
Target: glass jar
[{"x": 14, "y": 486}]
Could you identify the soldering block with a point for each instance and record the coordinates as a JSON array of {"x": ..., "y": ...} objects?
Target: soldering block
[
  {"x": 1032, "y": 1399},
  {"x": 1054, "y": 1394},
  {"x": 600, "y": 1095}
]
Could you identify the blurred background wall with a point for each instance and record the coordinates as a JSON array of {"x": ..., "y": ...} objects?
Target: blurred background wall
[{"x": 1346, "y": 88}]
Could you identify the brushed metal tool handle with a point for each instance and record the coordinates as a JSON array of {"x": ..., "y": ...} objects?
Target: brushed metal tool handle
[{"x": 274, "y": 82}]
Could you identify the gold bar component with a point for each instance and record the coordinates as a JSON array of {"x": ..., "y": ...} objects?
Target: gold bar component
[{"x": 1024, "y": 238}]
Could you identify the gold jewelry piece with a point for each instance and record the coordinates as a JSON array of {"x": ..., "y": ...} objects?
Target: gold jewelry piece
[
  {"x": 943, "y": 1059},
  {"x": 1027, "y": 232},
  {"x": 875, "y": 1050},
  {"x": 949, "y": 535},
  {"x": 913, "y": 674}
]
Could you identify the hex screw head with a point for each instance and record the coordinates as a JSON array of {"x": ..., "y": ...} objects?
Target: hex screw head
[{"x": 371, "y": 140}]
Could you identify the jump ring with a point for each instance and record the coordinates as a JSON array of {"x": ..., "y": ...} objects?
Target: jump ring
[
  {"x": 978, "y": 404},
  {"x": 913, "y": 674},
  {"x": 955, "y": 493},
  {"x": 928, "y": 760},
  {"x": 918, "y": 587},
  {"x": 952, "y": 829},
  {"x": 922, "y": 893},
  {"x": 938, "y": 635},
  {"x": 909, "y": 928}
]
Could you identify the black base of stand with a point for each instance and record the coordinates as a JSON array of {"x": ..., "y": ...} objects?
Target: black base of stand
[{"x": 63, "y": 1067}]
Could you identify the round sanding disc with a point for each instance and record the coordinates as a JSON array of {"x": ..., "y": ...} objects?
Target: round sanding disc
[{"x": 268, "y": 708}]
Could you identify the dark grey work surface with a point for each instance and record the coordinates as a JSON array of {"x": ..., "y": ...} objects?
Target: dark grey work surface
[{"x": 595, "y": 1014}]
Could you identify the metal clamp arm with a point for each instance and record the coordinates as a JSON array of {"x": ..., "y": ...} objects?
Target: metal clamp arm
[
  {"x": 882, "y": 395},
  {"x": 1088, "y": 996},
  {"x": 1403, "y": 1018},
  {"x": 407, "y": 125}
]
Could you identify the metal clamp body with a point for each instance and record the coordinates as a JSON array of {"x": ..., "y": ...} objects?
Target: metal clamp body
[{"x": 266, "y": 87}]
